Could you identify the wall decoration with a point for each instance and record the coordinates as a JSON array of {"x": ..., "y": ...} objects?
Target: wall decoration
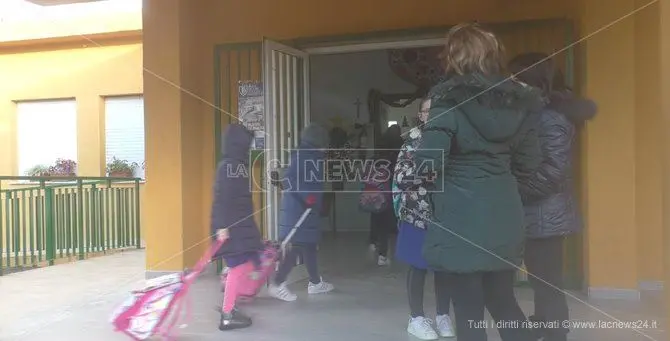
[{"x": 419, "y": 66}]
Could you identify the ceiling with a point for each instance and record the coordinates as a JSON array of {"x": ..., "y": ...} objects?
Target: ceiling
[{"x": 58, "y": 2}]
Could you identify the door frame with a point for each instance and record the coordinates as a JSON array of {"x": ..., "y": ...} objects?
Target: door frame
[{"x": 302, "y": 97}]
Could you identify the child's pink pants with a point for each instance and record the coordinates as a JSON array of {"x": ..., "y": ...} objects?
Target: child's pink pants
[{"x": 235, "y": 280}]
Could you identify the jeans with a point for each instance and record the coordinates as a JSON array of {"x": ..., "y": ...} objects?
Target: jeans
[
  {"x": 307, "y": 252},
  {"x": 493, "y": 290},
  {"x": 416, "y": 280},
  {"x": 544, "y": 259}
]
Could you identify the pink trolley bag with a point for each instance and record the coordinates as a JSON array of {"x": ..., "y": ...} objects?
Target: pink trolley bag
[
  {"x": 255, "y": 280},
  {"x": 156, "y": 309}
]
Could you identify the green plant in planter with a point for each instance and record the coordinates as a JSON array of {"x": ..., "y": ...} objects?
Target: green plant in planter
[
  {"x": 121, "y": 168},
  {"x": 39, "y": 170}
]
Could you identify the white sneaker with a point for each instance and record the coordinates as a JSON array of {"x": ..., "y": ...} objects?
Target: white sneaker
[
  {"x": 320, "y": 288},
  {"x": 422, "y": 328},
  {"x": 444, "y": 326},
  {"x": 281, "y": 292},
  {"x": 383, "y": 261}
]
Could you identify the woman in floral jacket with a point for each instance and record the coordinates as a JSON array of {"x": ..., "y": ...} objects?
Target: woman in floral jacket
[{"x": 412, "y": 207}]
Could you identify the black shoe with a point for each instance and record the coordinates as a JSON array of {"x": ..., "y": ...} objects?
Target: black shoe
[{"x": 234, "y": 320}]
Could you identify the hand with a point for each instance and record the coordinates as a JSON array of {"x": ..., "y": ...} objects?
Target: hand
[{"x": 222, "y": 234}]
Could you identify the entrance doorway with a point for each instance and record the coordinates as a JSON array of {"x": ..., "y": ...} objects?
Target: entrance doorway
[{"x": 327, "y": 80}]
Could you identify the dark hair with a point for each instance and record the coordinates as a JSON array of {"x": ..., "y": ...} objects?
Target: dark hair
[{"x": 535, "y": 69}]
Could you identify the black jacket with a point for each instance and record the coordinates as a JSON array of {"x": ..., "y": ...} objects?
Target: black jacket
[
  {"x": 549, "y": 193},
  {"x": 233, "y": 207}
]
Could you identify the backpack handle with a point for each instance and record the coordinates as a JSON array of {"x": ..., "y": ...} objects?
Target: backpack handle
[{"x": 205, "y": 259}]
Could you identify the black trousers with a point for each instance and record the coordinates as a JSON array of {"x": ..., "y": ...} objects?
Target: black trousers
[
  {"x": 473, "y": 292},
  {"x": 383, "y": 225},
  {"x": 416, "y": 280},
  {"x": 544, "y": 262}
]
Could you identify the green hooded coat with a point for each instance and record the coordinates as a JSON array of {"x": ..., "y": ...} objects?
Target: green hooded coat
[{"x": 480, "y": 132}]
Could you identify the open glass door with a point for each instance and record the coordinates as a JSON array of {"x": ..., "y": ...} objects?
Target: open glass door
[{"x": 286, "y": 82}]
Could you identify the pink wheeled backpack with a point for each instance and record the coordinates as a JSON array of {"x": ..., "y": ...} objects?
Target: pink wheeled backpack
[
  {"x": 156, "y": 309},
  {"x": 254, "y": 281}
]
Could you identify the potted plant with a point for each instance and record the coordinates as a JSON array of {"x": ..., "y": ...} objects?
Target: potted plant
[
  {"x": 63, "y": 167},
  {"x": 39, "y": 170},
  {"x": 121, "y": 168}
]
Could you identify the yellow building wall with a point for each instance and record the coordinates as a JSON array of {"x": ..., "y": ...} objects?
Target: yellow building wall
[
  {"x": 621, "y": 178},
  {"x": 86, "y": 74},
  {"x": 622, "y": 169},
  {"x": 59, "y": 71},
  {"x": 648, "y": 143},
  {"x": 179, "y": 88}
]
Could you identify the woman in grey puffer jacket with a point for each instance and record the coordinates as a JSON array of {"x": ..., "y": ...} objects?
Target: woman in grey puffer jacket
[{"x": 550, "y": 203}]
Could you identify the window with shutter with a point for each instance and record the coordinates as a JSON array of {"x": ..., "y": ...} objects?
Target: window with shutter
[
  {"x": 124, "y": 130},
  {"x": 46, "y": 131}
]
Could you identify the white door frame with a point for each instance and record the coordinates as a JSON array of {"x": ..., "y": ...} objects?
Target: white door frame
[{"x": 275, "y": 144}]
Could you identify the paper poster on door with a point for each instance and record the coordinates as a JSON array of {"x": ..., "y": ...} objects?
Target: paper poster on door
[{"x": 251, "y": 107}]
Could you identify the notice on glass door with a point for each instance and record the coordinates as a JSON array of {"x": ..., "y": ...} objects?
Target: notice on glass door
[
  {"x": 250, "y": 105},
  {"x": 251, "y": 110}
]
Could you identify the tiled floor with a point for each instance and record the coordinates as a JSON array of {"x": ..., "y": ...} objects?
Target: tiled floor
[{"x": 73, "y": 302}]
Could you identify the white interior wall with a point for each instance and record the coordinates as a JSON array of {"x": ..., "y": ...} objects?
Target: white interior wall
[{"x": 337, "y": 81}]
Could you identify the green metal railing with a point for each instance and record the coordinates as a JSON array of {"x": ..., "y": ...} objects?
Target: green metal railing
[{"x": 45, "y": 220}]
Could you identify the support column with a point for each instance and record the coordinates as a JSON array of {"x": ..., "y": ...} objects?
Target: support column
[
  {"x": 9, "y": 160},
  {"x": 91, "y": 136},
  {"x": 175, "y": 231},
  {"x": 611, "y": 272},
  {"x": 665, "y": 119},
  {"x": 648, "y": 140}
]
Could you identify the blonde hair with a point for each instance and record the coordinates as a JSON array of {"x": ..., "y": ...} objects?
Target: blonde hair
[{"x": 469, "y": 48}]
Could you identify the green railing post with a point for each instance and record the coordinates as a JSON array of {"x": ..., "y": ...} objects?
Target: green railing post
[
  {"x": 94, "y": 218},
  {"x": 80, "y": 218},
  {"x": 40, "y": 222},
  {"x": 16, "y": 229},
  {"x": 33, "y": 227},
  {"x": 8, "y": 229},
  {"x": 138, "y": 238},
  {"x": 24, "y": 234},
  {"x": 50, "y": 225}
]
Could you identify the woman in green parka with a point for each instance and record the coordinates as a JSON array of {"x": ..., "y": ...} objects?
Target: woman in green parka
[{"x": 481, "y": 127}]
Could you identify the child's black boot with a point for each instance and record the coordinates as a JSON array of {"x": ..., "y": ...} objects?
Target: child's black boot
[{"x": 234, "y": 320}]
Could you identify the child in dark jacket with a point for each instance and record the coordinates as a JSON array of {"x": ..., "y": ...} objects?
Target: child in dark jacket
[
  {"x": 303, "y": 188},
  {"x": 233, "y": 222}
]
